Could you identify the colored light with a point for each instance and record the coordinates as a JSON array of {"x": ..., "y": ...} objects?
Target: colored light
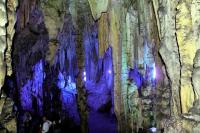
[
  {"x": 109, "y": 71},
  {"x": 84, "y": 76},
  {"x": 84, "y": 79},
  {"x": 84, "y": 73},
  {"x": 154, "y": 71},
  {"x": 153, "y": 129}
]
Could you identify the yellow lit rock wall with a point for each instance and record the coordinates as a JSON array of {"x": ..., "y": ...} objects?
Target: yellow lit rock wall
[
  {"x": 11, "y": 14},
  {"x": 103, "y": 33},
  {"x": 97, "y": 7},
  {"x": 187, "y": 49},
  {"x": 3, "y": 22},
  {"x": 169, "y": 49},
  {"x": 115, "y": 43}
]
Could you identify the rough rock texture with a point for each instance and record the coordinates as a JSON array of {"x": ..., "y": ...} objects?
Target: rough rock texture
[
  {"x": 7, "y": 116},
  {"x": 24, "y": 13},
  {"x": 181, "y": 42},
  {"x": 28, "y": 62},
  {"x": 185, "y": 41},
  {"x": 97, "y": 7},
  {"x": 195, "y": 6},
  {"x": 103, "y": 33},
  {"x": 166, "y": 12},
  {"x": 196, "y": 74},
  {"x": 194, "y": 113},
  {"x": 54, "y": 11},
  {"x": 3, "y": 22},
  {"x": 11, "y": 14}
]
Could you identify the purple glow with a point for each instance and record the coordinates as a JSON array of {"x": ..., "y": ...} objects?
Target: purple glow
[
  {"x": 85, "y": 79},
  {"x": 154, "y": 71},
  {"x": 33, "y": 89},
  {"x": 67, "y": 96},
  {"x": 84, "y": 76},
  {"x": 109, "y": 71},
  {"x": 136, "y": 76},
  {"x": 61, "y": 81},
  {"x": 68, "y": 70}
]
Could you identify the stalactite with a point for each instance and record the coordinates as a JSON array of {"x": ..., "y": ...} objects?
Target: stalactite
[
  {"x": 54, "y": 12},
  {"x": 103, "y": 33},
  {"x": 68, "y": 70},
  {"x": 25, "y": 8},
  {"x": 98, "y": 7}
]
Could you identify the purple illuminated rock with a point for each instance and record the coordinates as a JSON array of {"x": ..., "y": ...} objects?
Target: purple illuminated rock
[{"x": 99, "y": 96}]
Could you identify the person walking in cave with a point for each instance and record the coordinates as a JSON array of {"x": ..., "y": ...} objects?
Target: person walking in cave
[{"x": 46, "y": 125}]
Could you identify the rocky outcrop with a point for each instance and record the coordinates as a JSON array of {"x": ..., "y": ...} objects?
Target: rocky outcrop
[
  {"x": 7, "y": 116},
  {"x": 185, "y": 41},
  {"x": 3, "y": 22},
  {"x": 11, "y": 13},
  {"x": 196, "y": 74},
  {"x": 193, "y": 112},
  {"x": 195, "y": 13},
  {"x": 98, "y": 7},
  {"x": 54, "y": 11},
  {"x": 166, "y": 13}
]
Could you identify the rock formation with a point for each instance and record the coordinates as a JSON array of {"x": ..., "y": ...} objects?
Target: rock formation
[{"x": 3, "y": 23}]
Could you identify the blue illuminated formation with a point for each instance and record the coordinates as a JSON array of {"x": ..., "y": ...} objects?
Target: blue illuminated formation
[
  {"x": 26, "y": 97},
  {"x": 98, "y": 77},
  {"x": 149, "y": 62},
  {"x": 68, "y": 70},
  {"x": 32, "y": 92},
  {"x": 68, "y": 97},
  {"x": 100, "y": 98},
  {"x": 136, "y": 77},
  {"x": 90, "y": 41},
  {"x": 146, "y": 76}
]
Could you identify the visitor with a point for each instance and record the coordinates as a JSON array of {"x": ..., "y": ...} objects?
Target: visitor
[{"x": 46, "y": 125}]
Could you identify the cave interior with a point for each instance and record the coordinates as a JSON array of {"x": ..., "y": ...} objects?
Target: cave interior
[{"x": 100, "y": 66}]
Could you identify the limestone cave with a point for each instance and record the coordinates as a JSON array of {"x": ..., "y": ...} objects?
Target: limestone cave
[{"x": 99, "y": 66}]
